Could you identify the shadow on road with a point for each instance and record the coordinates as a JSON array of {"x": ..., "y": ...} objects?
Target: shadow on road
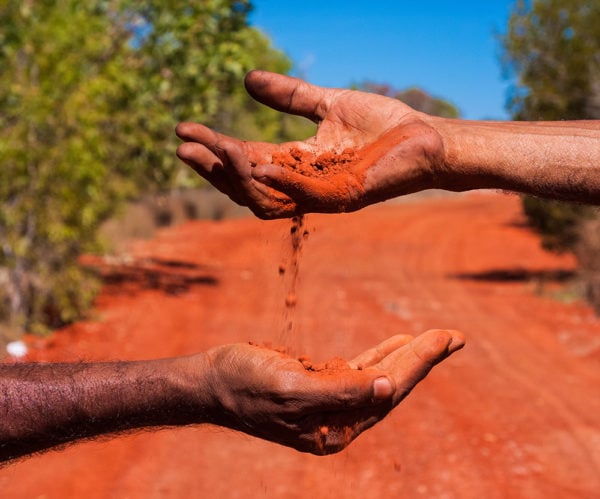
[
  {"x": 517, "y": 275},
  {"x": 172, "y": 277}
]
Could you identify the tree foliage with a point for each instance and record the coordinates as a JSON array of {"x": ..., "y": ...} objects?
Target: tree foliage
[
  {"x": 552, "y": 49},
  {"x": 90, "y": 93}
]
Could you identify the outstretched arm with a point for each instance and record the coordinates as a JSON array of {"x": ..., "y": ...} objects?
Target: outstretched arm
[
  {"x": 252, "y": 389},
  {"x": 369, "y": 148},
  {"x": 556, "y": 160}
]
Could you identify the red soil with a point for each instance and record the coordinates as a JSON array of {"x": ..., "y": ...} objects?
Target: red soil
[
  {"x": 311, "y": 165},
  {"x": 335, "y": 364},
  {"x": 514, "y": 414}
]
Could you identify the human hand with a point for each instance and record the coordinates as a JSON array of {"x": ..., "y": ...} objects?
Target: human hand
[
  {"x": 368, "y": 148},
  {"x": 320, "y": 410}
]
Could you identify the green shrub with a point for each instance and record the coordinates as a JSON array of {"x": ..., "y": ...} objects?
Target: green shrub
[
  {"x": 90, "y": 94},
  {"x": 557, "y": 222}
]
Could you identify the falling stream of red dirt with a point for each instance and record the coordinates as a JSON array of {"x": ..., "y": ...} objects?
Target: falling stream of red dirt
[
  {"x": 514, "y": 414},
  {"x": 289, "y": 269}
]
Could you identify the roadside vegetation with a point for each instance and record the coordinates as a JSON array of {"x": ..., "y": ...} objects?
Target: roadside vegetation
[
  {"x": 552, "y": 53},
  {"x": 90, "y": 94}
]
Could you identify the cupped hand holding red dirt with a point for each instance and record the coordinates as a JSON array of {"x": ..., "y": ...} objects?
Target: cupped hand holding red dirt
[
  {"x": 319, "y": 408},
  {"x": 368, "y": 148}
]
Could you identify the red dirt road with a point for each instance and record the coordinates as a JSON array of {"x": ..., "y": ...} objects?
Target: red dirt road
[{"x": 516, "y": 414}]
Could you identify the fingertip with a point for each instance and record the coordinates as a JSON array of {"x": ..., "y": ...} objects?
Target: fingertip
[
  {"x": 256, "y": 81},
  {"x": 287, "y": 94},
  {"x": 185, "y": 151},
  {"x": 254, "y": 76},
  {"x": 457, "y": 342},
  {"x": 435, "y": 344},
  {"x": 195, "y": 132},
  {"x": 182, "y": 129},
  {"x": 432, "y": 345}
]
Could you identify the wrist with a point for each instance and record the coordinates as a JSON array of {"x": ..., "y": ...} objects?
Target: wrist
[
  {"x": 189, "y": 379},
  {"x": 462, "y": 167},
  {"x": 224, "y": 379},
  {"x": 160, "y": 392}
]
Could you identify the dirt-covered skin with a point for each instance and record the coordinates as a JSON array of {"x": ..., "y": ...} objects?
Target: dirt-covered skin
[
  {"x": 370, "y": 148},
  {"x": 515, "y": 414}
]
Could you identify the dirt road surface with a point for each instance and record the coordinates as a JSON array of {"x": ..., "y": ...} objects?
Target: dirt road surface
[{"x": 516, "y": 414}]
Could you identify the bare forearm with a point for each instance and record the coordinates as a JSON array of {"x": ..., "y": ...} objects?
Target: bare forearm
[
  {"x": 559, "y": 160},
  {"x": 259, "y": 391},
  {"x": 46, "y": 405}
]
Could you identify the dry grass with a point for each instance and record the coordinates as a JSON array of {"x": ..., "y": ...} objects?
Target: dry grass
[{"x": 141, "y": 219}]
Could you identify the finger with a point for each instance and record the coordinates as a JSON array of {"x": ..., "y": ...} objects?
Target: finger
[
  {"x": 274, "y": 204},
  {"x": 411, "y": 363},
  {"x": 219, "y": 153},
  {"x": 295, "y": 185},
  {"x": 408, "y": 365},
  {"x": 209, "y": 166},
  {"x": 237, "y": 166},
  {"x": 271, "y": 193},
  {"x": 199, "y": 158},
  {"x": 264, "y": 201},
  {"x": 195, "y": 132},
  {"x": 379, "y": 352},
  {"x": 204, "y": 162},
  {"x": 287, "y": 94},
  {"x": 337, "y": 431}
]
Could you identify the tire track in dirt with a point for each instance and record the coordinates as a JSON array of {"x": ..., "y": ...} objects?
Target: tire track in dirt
[{"x": 550, "y": 398}]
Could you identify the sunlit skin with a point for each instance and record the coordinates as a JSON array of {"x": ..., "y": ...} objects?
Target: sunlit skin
[
  {"x": 245, "y": 387},
  {"x": 399, "y": 151},
  {"x": 279, "y": 400},
  {"x": 346, "y": 119}
]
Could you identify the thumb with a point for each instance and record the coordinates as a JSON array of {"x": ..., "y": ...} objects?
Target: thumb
[
  {"x": 382, "y": 388},
  {"x": 349, "y": 389},
  {"x": 287, "y": 94}
]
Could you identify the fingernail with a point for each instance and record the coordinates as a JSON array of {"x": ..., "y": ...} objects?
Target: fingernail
[{"x": 382, "y": 388}]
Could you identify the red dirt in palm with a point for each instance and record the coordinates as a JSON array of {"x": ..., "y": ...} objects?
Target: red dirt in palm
[
  {"x": 326, "y": 164},
  {"x": 514, "y": 414}
]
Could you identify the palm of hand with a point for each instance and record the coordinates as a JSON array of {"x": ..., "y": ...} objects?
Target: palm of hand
[
  {"x": 320, "y": 409},
  {"x": 392, "y": 149},
  {"x": 272, "y": 396}
]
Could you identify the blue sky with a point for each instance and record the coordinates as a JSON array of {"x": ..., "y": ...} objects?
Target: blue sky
[{"x": 448, "y": 48}]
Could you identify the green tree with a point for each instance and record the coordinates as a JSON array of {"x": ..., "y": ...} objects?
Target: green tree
[
  {"x": 60, "y": 82},
  {"x": 90, "y": 93},
  {"x": 193, "y": 57},
  {"x": 552, "y": 50}
]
